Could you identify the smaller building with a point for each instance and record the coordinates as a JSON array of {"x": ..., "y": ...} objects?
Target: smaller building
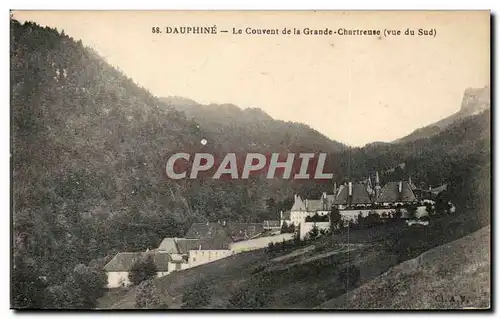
[{"x": 119, "y": 268}]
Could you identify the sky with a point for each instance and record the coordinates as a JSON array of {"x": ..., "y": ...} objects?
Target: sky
[{"x": 353, "y": 89}]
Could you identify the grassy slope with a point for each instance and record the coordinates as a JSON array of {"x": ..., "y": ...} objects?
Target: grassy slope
[
  {"x": 454, "y": 275},
  {"x": 310, "y": 278}
]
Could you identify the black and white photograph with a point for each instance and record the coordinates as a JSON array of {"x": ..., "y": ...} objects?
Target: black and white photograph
[{"x": 250, "y": 160}]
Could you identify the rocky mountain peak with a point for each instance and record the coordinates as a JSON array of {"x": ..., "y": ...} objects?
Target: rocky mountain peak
[{"x": 475, "y": 100}]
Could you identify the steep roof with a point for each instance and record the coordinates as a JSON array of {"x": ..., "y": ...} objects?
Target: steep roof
[
  {"x": 244, "y": 231},
  {"x": 168, "y": 245},
  {"x": 390, "y": 193},
  {"x": 359, "y": 195},
  {"x": 125, "y": 261},
  {"x": 330, "y": 198},
  {"x": 298, "y": 204}
]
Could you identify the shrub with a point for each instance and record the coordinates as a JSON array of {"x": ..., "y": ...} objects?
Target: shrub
[
  {"x": 313, "y": 233},
  {"x": 250, "y": 298},
  {"x": 147, "y": 297},
  {"x": 196, "y": 296}
]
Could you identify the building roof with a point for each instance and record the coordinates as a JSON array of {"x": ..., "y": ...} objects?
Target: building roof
[
  {"x": 330, "y": 198},
  {"x": 298, "y": 204},
  {"x": 168, "y": 245},
  {"x": 244, "y": 231},
  {"x": 271, "y": 223},
  {"x": 359, "y": 195},
  {"x": 314, "y": 205},
  {"x": 205, "y": 230},
  {"x": 125, "y": 261},
  {"x": 185, "y": 245},
  {"x": 390, "y": 193}
]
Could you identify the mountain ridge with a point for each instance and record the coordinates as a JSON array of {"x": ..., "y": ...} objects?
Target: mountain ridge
[{"x": 474, "y": 101}]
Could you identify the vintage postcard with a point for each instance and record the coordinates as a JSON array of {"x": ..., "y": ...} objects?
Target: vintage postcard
[{"x": 250, "y": 160}]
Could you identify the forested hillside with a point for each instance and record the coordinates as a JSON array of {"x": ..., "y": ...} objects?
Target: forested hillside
[{"x": 89, "y": 149}]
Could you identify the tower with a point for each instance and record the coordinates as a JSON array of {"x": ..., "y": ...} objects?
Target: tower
[{"x": 377, "y": 186}]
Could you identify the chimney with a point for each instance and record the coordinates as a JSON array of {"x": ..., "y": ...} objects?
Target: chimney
[
  {"x": 281, "y": 215},
  {"x": 349, "y": 197},
  {"x": 400, "y": 189},
  {"x": 306, "y": 204},
  {"x": 324, "y": 194},
  {"x": 224, "y": 223}
]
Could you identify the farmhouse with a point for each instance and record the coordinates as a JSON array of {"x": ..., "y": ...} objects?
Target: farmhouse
[{"x": 118, "y": 268}]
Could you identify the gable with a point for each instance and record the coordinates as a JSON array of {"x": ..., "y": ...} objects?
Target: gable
[
  {"x": 168, "y": 245},
  {"x": 390, "y": 193},
  {"x": 298, "y": 204},
  {"x": 359, "y": 195}
]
